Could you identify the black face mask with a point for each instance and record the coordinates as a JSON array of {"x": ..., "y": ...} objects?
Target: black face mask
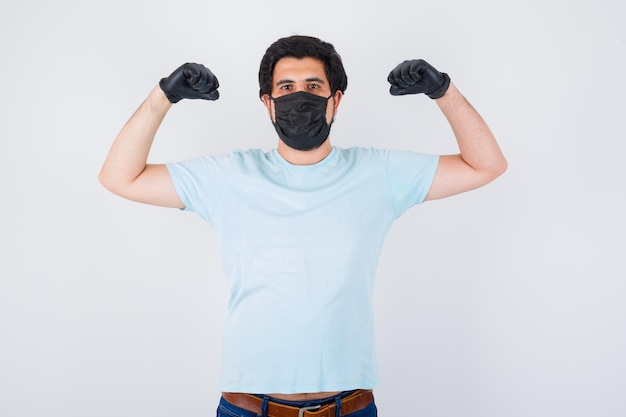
[{"x": 301, "y": 120}]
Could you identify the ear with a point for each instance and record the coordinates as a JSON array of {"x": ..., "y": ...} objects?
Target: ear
[
  {"x": 268, "y": 105},
  {"x": 267, "y": 102},
  {"x": 336, "y": 99}
]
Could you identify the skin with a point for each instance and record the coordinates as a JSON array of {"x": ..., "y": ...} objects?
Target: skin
[
  {"x": 126, "y": 172},
  {"x": 480, "y": 160}
]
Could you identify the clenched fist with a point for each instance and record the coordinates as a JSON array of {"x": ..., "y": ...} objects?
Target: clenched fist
[
  {"x": 417, "y": 76},
  {"x": 193, "y": 81}
]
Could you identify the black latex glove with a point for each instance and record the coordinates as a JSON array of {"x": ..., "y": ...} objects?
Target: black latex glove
[
  {"x": 418, "y": 76},
  {"x": 194, "y": 81}
]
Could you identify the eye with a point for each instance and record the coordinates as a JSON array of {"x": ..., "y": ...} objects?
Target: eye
[
  {"x": 313, "y": 86},
  {"x": 286, "y": 87}
]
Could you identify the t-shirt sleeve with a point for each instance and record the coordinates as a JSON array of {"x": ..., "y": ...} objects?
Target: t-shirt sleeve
[
  {"x": 199, "y": 182},
  {"x": 410, "y": 176}
]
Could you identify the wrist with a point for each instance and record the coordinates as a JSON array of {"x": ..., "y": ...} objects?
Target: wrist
[
  {"x": 449, "y": 95},
  {"x": 158, "y": 99},
  {"x": 441, "y": 91}
]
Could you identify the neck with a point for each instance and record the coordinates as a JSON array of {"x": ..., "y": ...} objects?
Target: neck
[{"x": 296, "y": 157}]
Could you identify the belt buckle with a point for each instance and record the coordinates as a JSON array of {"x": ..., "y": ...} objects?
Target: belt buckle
[{"x": 303, "y": 409}]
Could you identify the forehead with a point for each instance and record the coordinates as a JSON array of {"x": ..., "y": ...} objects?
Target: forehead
[{"x": 297, "y": 69}]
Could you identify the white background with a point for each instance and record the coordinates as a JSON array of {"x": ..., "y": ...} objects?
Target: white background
[{"x": 506, "y": 301}]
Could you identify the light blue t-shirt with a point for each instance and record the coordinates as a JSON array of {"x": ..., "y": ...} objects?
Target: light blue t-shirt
[{"x": 299, "y": 247}]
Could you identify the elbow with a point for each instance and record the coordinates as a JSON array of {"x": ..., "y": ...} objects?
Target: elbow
[
  {"x": 492, "y": 170},
  {"x": 501, "y": 166},
  {"x": 498, "y": 168},
  {"x": 104, "y": 179},
  {"x": 108, "y": 182}
]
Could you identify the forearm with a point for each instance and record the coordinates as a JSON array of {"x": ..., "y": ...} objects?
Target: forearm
[
  {"x": 128, "y": 155},
  {"x": 477, "y": 144}
]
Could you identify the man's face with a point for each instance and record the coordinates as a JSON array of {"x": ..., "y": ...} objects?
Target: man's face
[{"x": 301, "y": 74}]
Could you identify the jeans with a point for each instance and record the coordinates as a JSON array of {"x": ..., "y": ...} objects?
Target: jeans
[{"x": 226, "y": 409}]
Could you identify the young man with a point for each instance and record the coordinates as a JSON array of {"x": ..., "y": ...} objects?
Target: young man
[{"x": 301, "y": 227}]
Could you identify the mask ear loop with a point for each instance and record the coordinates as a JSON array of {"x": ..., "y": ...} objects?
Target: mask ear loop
[
  {"x": 271, "y": 99},
  {"x": 332, "y": 120}
]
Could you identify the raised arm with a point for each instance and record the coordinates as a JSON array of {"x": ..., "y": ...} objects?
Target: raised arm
[
  {"x": 480, "y": 160},
  {"x": 125, "y": 171}
]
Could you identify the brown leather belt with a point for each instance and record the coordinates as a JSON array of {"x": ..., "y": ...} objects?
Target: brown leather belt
[{"x": 356, "y": 401}]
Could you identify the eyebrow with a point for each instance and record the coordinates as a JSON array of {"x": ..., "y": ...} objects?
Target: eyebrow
[{"x": 287, "y": 81}]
